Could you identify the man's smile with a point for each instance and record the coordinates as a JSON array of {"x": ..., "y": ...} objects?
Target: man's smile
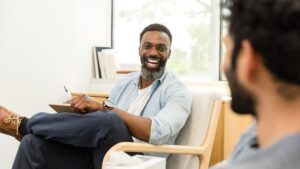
[{"x": 152, "y": 63}]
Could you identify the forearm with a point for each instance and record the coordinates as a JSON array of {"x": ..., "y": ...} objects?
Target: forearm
[{"x": 139, "y": 127}]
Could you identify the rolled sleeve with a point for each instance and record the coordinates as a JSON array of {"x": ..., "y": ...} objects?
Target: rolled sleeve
[
  {"x": 159, "y": 132},
  {"x": 167, "y": 124}
]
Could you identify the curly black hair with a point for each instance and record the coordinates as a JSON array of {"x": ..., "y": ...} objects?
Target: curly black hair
[
  {"x": 156, "y": 27},
  {"x": 273, "y": 29}
]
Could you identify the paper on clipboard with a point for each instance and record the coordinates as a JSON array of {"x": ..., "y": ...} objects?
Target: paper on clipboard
[{"x": 59, "y": 108}]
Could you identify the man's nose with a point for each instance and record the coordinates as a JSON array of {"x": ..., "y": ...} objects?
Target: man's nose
[{"x": 153, "y": 51}]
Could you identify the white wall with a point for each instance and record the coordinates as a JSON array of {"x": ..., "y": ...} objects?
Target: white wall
[{"x": 44, "y": 45}]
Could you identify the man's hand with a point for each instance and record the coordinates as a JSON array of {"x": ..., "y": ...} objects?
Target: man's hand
[{"x": 85, "y": 104}]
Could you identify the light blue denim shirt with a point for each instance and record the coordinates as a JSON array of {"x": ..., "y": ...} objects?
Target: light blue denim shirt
[{"x": 168, "y": 107}]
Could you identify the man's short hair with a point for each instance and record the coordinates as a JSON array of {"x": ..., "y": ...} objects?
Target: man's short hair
[
  {"x": 156, "y": 27},
  {"x": 273, "y": 29}
]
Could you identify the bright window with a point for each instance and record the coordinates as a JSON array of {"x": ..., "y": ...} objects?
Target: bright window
[
  {"x": 194, "y": 24},
  {"x": 224, "y": 29}
]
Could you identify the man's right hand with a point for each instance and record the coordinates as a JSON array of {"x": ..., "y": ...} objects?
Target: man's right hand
[{"x": 85, "y": 104}]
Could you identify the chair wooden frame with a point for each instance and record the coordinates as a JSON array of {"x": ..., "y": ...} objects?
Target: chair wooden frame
[{"x": 202, "y": 151}]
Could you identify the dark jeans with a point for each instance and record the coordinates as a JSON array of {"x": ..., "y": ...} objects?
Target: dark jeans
[{"x": 67, "y": 140}]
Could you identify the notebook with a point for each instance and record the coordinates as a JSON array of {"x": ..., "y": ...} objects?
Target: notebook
[{"x": 59, "y": 108}]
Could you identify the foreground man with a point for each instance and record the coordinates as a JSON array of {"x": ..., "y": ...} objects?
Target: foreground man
[
  {"x": 151, "y": 106},
  {"x": 262, "y": 67}
]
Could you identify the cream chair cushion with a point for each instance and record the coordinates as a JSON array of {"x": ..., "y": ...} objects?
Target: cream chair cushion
[{"x": 195, "y": 129}]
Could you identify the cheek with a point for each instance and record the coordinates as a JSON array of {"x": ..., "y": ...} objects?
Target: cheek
[
  {"x": 228, "y": 53},
  {"x": 226, "y": 62},
  {"x": 166, "y": 56}
]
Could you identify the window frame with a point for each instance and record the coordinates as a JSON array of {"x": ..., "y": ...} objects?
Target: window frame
[{"x": 216, "y": 38}]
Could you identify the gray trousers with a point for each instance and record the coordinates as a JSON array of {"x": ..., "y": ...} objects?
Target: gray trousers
[{"x": 69, "y": 141}]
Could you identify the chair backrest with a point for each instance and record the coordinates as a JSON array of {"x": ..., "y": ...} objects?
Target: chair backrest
[{"x": 199, "y": 129}]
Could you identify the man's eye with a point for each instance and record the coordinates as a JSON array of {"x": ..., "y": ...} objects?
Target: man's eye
[
  {"x": 161, "y": 48},
  {"x": 147, "y": 46}
]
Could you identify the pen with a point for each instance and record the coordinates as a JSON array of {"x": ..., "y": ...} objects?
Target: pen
[{"x": 68, "y": 93}]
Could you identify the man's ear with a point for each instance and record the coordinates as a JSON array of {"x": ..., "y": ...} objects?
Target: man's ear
[
  {"x": 139, "y": 50},
  {"x": 169, "y": 53},
  {"x": 247, "y": 62}
]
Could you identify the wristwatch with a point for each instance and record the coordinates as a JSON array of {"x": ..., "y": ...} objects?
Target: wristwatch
[{"x": 108, "y": 105}]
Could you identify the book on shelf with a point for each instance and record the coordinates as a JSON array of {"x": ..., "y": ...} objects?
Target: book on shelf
[
  {"x": 110, "y": 65},
  {"x": 107, "y": 64},
  {"x": 101, "y": 64},
  {"x": 96, "y": 63}
]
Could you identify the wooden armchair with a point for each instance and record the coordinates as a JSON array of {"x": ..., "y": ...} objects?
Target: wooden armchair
[{"x": 193, "y": 147}]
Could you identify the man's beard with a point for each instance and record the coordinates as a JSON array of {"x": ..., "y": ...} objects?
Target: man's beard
[
  {"x": 152, "y": 74},
  {"x": 242, "y": 102}
]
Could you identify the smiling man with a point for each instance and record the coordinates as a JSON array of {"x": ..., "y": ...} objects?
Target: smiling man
[
  {"x": 150, "y": 106},
  {"x": 152, "y": 43}
]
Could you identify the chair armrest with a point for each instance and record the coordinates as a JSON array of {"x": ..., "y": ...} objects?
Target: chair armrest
[{"x": 145, "y": 147}]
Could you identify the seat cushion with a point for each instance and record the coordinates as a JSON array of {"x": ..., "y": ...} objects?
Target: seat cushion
[{"x": 195, "y": 129}]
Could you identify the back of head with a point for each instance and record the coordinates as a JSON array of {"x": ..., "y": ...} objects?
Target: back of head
[{"x": 273, "y": 29}]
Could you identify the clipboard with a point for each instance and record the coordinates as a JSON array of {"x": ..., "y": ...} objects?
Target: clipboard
[{"x": 59, "y": 108}]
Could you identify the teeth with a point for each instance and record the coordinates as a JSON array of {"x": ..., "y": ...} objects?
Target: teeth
[{"x": 153, "y": 60}]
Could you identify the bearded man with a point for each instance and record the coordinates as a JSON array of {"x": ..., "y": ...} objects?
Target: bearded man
[
  {"x": 150, "y": 106},
  {"x": 262, "y": 67}
]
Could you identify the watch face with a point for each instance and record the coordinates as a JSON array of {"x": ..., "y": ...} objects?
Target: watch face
[{"x": 109, "y": 103}]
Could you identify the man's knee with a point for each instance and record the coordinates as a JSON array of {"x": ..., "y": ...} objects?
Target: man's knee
[
  {"x": 32, "y": 146},
  {"x": 28, "y": 155},
  {"x": 108, "y": 120},
  {"x": 30, "y": 141},
  {"x": 119, "y": 129},
  {"x": 111, "y": 128}
]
